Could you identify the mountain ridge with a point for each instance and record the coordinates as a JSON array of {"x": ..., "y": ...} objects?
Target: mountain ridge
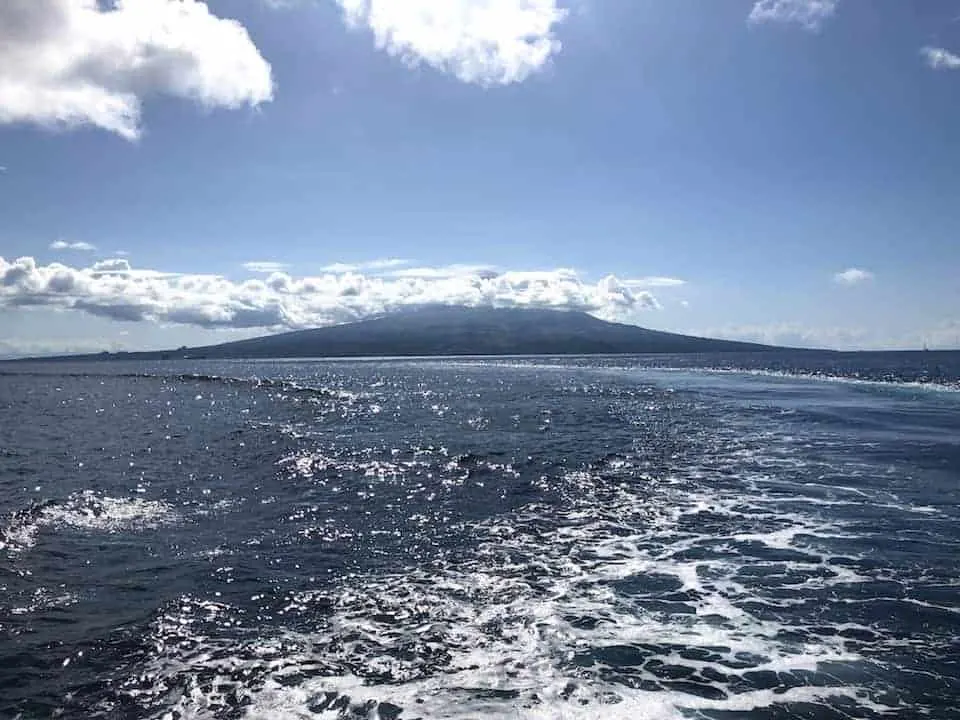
[{"x": 446, "y": 331}]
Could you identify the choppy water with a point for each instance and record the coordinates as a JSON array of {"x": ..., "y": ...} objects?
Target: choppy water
[{"x": 646, "y": 538}]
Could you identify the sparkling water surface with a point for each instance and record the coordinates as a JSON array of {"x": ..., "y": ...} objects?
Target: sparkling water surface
[{"x": 653, "y": 537}]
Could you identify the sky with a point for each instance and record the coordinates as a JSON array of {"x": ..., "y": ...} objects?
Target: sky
[{"x": 177, "y": 172}]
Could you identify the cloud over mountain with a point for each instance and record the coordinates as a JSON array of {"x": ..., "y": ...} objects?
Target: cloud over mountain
[{"x": 114, "y": 289}]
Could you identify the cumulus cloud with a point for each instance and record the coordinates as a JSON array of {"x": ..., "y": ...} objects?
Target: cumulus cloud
[
  {"x": 66, "y": 63},
  {"x": 809, "y": 14},
  {"x": 265, "y": 266},
  {"x": 113, "y": 289},
  {"x": 852, "y": 276},
  {"x": 940, "y": 59},
  {"x": 65, "y": 245},
  {"x": 113, "y": 265},
  {"x": 488, "y": 42}
]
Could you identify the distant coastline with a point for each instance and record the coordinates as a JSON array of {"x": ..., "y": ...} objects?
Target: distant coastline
[{"x": 447, "y": 331}]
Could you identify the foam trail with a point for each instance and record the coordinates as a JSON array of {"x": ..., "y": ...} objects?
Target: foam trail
[{"x": 593, "y": 608}]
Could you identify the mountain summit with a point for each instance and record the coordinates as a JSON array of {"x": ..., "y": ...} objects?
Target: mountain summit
[{"x": 468, "y": 331}]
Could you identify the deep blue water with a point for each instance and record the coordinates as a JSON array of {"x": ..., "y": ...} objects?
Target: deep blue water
[{"x": 670, "y": 537}]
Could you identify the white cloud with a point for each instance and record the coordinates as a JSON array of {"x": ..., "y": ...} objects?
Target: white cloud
[
  {"x": 444, "y": 272},
  {"x": 265, "y": 266},
  {"x": 65, "y": 245},
  {"x": 489, "y": 42},
  {"x": 852, "y": 276},
  {"x": 791, "y": 335},
  {"x": 808, "y": 13},
  {"x": 382, "y": 264},
  {"x": 66, "y": 63},
  {"x": 940, "y": 59},
  {"x": 113, "y": 289},
  {"x": 945, "y": 335},
  {"x": 656, "y": 281},
  {"x": 113, "y": 265},
  {"x": 13, "y": 348}
]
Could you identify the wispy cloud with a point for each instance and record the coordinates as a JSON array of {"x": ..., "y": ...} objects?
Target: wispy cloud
[
  {"x": 13, "y": 348},
  {"x": 488, "y": 42},
  {"x": 656, "y": 281},
  {"x": 791, "y": 335},
  {"x": 367, "y": 266},
  {"x": 941, "y": 59},
  {"x": 113, "y": 289},
  {"x": 944, "y": 335},
  {"x": 852, "y": 276},
  {"x": 65, "y": 245},
  {"x": 66, "y": 63},
  {"x": 444, "y": 271},
  {"x": 265, "y": 266},
  {"x": 809, "y": 14}
]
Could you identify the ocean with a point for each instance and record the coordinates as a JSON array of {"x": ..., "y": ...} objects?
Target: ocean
[{"x": 758, "y": 536}]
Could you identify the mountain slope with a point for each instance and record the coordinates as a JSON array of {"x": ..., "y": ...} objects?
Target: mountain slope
[
  {"x": 451, "y": 331},
  {"x": 469, "y": 331}
]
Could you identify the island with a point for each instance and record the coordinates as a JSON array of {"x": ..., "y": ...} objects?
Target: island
[{"x": 445, "y": 331}]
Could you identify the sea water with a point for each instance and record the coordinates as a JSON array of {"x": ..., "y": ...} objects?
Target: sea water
[{"x": 770, "y": 536}]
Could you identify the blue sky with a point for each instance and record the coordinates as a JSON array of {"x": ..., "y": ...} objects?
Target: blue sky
[{"x": 180, "y": 172}]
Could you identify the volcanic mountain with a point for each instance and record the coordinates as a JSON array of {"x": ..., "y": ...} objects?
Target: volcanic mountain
[{"x": 464, "y": 331}]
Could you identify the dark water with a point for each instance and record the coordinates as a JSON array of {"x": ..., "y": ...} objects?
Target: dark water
[{"x": 629, "y": 538}]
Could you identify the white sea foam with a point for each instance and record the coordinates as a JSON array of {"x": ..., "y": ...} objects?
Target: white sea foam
[
  {"x": 40, "y": 599},
  {"x": 85, "y": 511},
  {"x": 608, "y": 605},
  {"x": 950, "y": 387}
]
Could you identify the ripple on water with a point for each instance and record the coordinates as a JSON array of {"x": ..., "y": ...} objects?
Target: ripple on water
[{"x": 471, "y": 540}]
